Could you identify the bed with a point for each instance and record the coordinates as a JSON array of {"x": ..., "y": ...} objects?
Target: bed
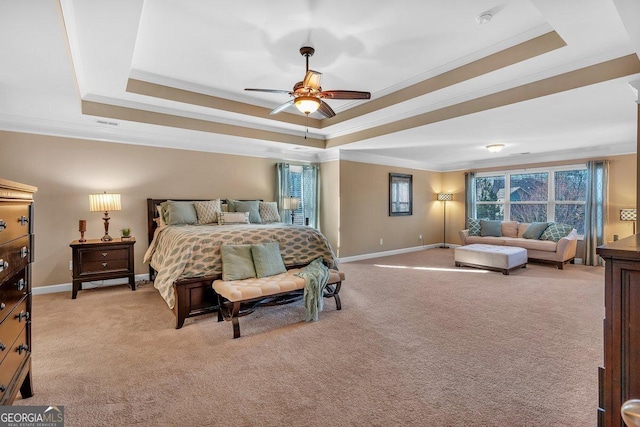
[{"x": 184, "y": 260}]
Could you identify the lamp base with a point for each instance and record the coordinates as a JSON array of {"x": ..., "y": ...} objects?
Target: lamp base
[{"x": 107, "y": 238}]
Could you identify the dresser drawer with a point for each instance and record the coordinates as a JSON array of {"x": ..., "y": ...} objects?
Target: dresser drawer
[
  {"x": 14, "y": 221},
  {"x": 11, "y": 327},
  {"x": 12, "y": 291},
  {"x": 103, "y": 255},
  {"x": 14, "y": 256},
  {"x": 17, "y": 352},
  {"x": 104, "y": 266}
]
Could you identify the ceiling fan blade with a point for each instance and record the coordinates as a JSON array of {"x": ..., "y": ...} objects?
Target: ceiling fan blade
[
  {"x": 282, "y": 107},
  {"x": 345, "y": 94},
  {"x": 312, "y": 80},
  {"x": 325, "y": 110},
  {"x": 270, "y": 90}
]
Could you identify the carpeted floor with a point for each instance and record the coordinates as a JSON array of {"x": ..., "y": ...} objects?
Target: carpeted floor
[{"x": 417, "y": 343}]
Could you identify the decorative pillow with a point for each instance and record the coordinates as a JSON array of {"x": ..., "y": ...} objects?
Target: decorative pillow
[
  {"x": 535, "y": 230},
  {"x": 509, "y": 228},
  {"x": 231, "y": 205},
  {"x": 233, "y": 218},
  {"x": 253, "y": 207},
  {"x": 269, "y": 212},
  {"x": 556, "y": 231},
  {"x": 237, "y": 262},
  {"x": 160, "y": 220},
  {"x": 267, "y": 259},
  {"x": 207, "y": 212},
  {"x": 490, "y": 228},
  {"x": 474, "y": 227},
  {"x": 178, "y": 212}
]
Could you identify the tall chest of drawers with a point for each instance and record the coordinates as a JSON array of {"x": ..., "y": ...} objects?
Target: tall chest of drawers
[{"x": 16, "y": 255}]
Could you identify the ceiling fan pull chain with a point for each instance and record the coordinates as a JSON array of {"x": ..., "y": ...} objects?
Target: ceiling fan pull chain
[{"x": 306, "y": 126}]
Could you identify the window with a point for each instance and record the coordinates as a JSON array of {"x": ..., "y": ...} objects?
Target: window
[
  {"x": 553, "y": 194},
  {"x": 302, "y": 185}
]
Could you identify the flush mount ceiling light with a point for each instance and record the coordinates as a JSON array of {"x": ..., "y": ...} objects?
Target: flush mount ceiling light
[
  {"x": 485, "y": 18},
  {"x": 494, "y": 148},
  {"x": 307, "y": 104}
]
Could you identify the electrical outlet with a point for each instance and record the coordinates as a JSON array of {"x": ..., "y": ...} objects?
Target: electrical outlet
[
  {"x": 381, "y": 241},
  {"x": 420, "y": 237},
  {"x": 70, "y": 265}
]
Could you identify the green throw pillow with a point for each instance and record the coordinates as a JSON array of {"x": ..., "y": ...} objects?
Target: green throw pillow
[
  {"x": 237, "y": 262},
  {"x": 267, "y": 259},
  {"x": 535, "y": 230},
  {"x": 556, "y": 231},
  {"x": 490, "y": 228},
  {"x": 474, "y": 227},
  {"x": 253, "y": 207},
  {"x": 178, "y": 212}
]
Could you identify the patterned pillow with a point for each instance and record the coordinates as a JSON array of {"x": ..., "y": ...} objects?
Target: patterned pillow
[
  {"x": 269, "y": 212},
  {"x": 474, "y": 227},
  {"x": 207, "y": 212},
  {"x": 556, "y": 231},
  {"x": 233, "y": 218}
]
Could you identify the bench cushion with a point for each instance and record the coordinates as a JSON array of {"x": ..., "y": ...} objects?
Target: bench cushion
[{"x": 242, "y": 290}]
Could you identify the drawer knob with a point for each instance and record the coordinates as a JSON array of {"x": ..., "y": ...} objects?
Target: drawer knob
[
  {"x": 3, "y": 265},
  {"x": 3, "y": 225},
  {"x": 23, "y": 220},
  {"x": 20, "y": 285},
  {"x": 2, "y": 346},
  {"x": 23, "y": 347},
  {"x": 104, "y": 254},
  {"x": 24, "y": 252},
  {"x": 3, "y": 388},
  {"x": 23, "y": 315},
  {"x": 2, "y": 306},
  {"x": 104, "y": 265}
]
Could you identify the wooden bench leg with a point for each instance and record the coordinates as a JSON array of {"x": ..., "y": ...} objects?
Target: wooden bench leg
[{"x": 234, "y": 320}]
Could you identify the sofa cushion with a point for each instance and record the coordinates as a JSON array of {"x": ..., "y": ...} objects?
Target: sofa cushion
[
  {"x": 522, "y": 227},
  {"x": 490, "y": 228},
  {"x": 555, "y": 231},
  {"x": 486, "y": 240},
  {"x": 509, "y": 228},
  {"x": 474, "y": 227},
  {"x": 532, "y": 244},
  {"x": 535, "y": 230}
]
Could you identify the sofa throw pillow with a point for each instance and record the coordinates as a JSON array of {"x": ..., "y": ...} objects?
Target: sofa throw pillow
[
  {"x": 474, "y": 227},
  {"x": 267, "y": 259},
  {"x": 253, "y": 207},
  {"x": 175, "y": 213},
  {"x": 233, "y": 218},
  {"x": 237, "y": 262},
  {"x": 509, "y": 228},
  {"x": 535, "y": 230},
  {"x": 490, "y": 228},
  {"x": 555, "y": 231},
  {"x": 269, "y": 212},
  {"x": 207, "y": 211}
]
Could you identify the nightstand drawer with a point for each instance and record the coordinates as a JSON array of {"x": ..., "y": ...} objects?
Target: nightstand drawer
[
  {"x": 14, "y": 256},
  {"x": 10, "y": 328},
  {"x": 12, "y": 291},
  {"x": 17, "y": 352},
  {"x": 104, "y": 266},
  {"x": 104, "y": 255},
  {"x": 14, "y": 221}
]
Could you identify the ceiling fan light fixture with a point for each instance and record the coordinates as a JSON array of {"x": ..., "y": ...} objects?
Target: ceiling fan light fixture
[
  {"x": 307, "y": 104},
  {"x": 494, "y": 148}
]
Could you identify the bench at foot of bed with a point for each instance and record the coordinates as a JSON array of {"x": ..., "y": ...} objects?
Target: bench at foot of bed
[{"x": 241, "y": 297}]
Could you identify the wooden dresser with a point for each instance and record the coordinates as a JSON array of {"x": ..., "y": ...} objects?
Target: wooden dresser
[
  {"x": 619, "y": 379},
  {"x": 16, "y": 255}
]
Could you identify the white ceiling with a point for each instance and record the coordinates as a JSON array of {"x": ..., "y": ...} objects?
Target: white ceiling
[{"x": 57, "y": 54}]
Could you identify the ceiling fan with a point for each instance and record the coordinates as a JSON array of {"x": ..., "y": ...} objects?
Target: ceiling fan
[{"x": 308, "y": 95}]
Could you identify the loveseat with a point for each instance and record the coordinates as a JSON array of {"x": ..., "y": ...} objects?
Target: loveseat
[{"x": 512, "y": 233}]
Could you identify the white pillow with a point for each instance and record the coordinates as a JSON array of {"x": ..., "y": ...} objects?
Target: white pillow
[
  {"x": 233, "y": 218},
  {"x": 207, "y": 211},
  {"x": 269, "y": 212}
]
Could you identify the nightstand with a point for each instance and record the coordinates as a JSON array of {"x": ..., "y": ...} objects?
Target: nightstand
[{"x": 97, "y": 260}]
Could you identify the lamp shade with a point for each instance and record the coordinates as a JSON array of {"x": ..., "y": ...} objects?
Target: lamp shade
[
  {"x": 445, "y": 197},
  {"x": 104, "y": 202},
  {"x": 291, "y": 203},
  {"x": 627, "y": 214}
]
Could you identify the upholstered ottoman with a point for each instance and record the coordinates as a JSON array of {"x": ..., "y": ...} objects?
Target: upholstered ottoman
[{"x": 493, "y": 257}]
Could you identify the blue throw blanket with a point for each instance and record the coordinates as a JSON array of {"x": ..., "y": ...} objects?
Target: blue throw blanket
[{"x": 316, "y": 276}]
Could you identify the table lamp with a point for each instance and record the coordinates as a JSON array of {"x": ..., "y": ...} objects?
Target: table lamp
[{"x": 105, "y": 202}]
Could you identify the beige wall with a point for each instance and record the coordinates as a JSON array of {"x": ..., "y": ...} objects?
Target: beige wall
[
  {"x": 330, "y": 202},
  {"x": 364, "y": 210},
  {"x": 66, "y": 171}
]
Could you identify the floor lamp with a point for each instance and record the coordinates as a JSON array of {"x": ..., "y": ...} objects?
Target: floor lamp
[{"x": 444, "y": 198}]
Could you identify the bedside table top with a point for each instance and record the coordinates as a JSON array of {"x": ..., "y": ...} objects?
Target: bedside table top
[{"x": 115, "y": 241}]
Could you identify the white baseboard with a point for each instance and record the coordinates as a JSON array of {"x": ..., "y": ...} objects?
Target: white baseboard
[
  {"x": 66, "y": 287},
  {"x": 392, "y": 252}
]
